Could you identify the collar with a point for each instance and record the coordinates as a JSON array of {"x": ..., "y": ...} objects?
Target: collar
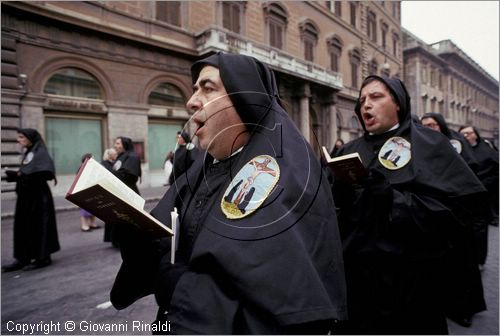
[
  {"x": 391, "y": 129},
  {"x": 230, "y": 156}
]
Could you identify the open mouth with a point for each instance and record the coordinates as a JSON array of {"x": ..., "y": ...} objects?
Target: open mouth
[
  {"x": 368, "y": 117},
  {"x": 200, "y": 126}
]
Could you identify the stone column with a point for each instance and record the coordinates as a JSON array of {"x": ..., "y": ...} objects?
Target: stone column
[{"x": 305, "y": 94}]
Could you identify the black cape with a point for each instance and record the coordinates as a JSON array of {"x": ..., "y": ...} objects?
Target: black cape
[
  {"x": 466, "y": 152},
  {"x": 183, "y": 159},
  {"x": 278, "y": 267},
  {"x": 398, "y": 226},
  {"x": 35, "y": 227},
  {"x": 128, "y": 165}
]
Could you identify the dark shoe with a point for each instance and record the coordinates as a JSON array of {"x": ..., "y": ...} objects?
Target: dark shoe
[
  {"x": 38, "y": 264},
  {"x": 95, "y": 227},
  {"x": 16, "y": 265}
]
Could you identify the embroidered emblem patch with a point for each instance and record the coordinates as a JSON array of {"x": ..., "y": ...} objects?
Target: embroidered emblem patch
[
  {"x": 395, "y": 153},
  {"x": 117, "y": 165},
  {"x": 250, "y": 187},
  {"x": 28, "y": 158},
  {"x": 457, "y": 145}
]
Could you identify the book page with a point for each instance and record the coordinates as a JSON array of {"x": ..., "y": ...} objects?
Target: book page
[{"x": 94, "y": 173}]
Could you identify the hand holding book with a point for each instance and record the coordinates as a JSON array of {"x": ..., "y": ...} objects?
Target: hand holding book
[
  {"x": 101, "y": 193},
  {"x": 346, "y": 168}
]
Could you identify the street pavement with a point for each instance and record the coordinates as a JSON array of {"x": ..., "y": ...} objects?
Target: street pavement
[{"x": 74, "y": 291}]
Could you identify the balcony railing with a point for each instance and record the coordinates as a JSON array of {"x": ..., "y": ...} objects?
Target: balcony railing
[{"x": 217, "y": 39}]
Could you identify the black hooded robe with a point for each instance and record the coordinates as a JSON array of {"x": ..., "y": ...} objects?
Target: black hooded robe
[
  {"x": 127, "y": 168},
  {"x": 398, "y": 226},
  {"x": 277, "y": 270},
  {"x": 464, "y": 295},
  {"x": 35, "y": 227}
]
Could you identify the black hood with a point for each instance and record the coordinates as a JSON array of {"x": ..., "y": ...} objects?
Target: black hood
[
  {"x": 441, "y": 122},
  {"x": 252, "y": 96},
  {"x": 398, "y": 92},
  {"x": 127, "y": 143},
  {"x": 36, "y": 158}
]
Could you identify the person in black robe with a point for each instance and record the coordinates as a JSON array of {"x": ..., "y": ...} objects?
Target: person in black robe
[
  {"x": 184, "y": 156},
  {"x": 487, "y": 159},
  {"x": 35, "y": 227},
  {"x": 464, "y": 290},
  {"x": 274, "y": 268},
  {"x": 339, "y": 143},
  {"x": 127, "y": 167},
  {"x": 397, "y": 225}
]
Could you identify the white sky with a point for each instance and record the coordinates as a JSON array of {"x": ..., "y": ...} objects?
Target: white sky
[{"x": 471, "y": 25}]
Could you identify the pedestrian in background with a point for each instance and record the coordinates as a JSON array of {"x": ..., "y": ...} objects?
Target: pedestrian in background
[
  {"x": 184, "y": 156},
  {"x": 109, "y": 158},
  {"x": 487, "y": 159},
  {"x": 87, "y": 220},
  {"x": 127, "y": 168},
  {"x": 168, "y": 167},
  {"x": 35, "y": 227},
  {"x": 464, "y": 294},
  {"x": 339, "y": 143}
]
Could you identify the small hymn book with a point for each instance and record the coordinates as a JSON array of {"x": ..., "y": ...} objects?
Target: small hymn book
[
  {"x": 346, "y": 168},
  {"x": 104, "y": 195}
]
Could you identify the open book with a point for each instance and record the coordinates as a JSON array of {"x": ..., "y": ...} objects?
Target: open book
[
  {"x": 104, "y": 195},
  {"x": 346, "y": 168}
]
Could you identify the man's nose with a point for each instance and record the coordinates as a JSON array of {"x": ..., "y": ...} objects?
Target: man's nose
[{"x": 194, "y": 103}]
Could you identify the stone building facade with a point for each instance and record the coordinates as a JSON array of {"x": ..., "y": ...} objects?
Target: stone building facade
[
  {"x": 83, "y": 73},
  {"x": 442, "y": 78}
]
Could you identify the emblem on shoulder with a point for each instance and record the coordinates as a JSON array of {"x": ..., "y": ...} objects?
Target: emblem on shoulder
[
  {"x": 29, "y": 157},
  {"x": 395, "y": 153},
  {"x": 457, "y": 145},
  {"x": 250, "y": 187}
]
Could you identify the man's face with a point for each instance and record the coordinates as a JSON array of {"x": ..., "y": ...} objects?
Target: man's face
[
  {"x": 118, "y": 146},
  {"x": 470, "y": 135},
  {"x": 378, "y": 110},
  {"x": 431, "y": 123},
  {"x": 219, "y": 127}
]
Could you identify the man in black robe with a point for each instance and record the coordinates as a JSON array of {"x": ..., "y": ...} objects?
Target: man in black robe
[
  {"x": 487, "y": 159},
  {"x": 398, "y": 224},
  {"x": 35, "y": 227},
  {"x": 127, "y": 167},
  {"x": 184, "y": 156},
  {"x": 464, "y": 294},
  {"x": 275, "y": 267}
]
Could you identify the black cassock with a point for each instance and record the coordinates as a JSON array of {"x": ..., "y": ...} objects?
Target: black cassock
[
  {"x": 276, "y": 270},
  {"x": 35, "y": 228},
  {"x": 399, "y": 225},
  {"x": 127, "y": 168}
]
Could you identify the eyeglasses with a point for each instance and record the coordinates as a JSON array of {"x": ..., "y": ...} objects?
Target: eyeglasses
[
  {"x": 431, "y": 125},
  {"x": 466, "y": 133}
]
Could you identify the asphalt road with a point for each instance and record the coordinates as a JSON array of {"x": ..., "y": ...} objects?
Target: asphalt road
[{"x": 74, "y": 291}]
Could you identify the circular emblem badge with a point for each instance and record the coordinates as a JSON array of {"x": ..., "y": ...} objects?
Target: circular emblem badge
[
  {"x": 28, "y": 158},
  {"x": 395, "y": 153},
  {"x": 250, "y": 187},
  {"x": 117, "y": 165},
  {"x": 457, "y": 145}
]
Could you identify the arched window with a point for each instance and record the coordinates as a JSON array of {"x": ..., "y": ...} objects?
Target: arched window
[
  {"x": 309, "y": 35},
  {"x": 371, "y": 25},
  {"x": 355, "y": 58},
  {"x": 74, "y": 83},
  {"x": 167, "y": 95},
  {"x": 335, "y": 46},
  {"x": 372, "y": 67},
  {"x": 276, "y": 21}
]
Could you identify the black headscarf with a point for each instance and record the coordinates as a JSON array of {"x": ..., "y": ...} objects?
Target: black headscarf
[
  {"x": 36, "y": 158},
  {"x": 297, "y": 210},
  {"x": 466, "y": 152},
  {"x": 448, "y": 174},
  {"x": 130, "y": 161}
]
